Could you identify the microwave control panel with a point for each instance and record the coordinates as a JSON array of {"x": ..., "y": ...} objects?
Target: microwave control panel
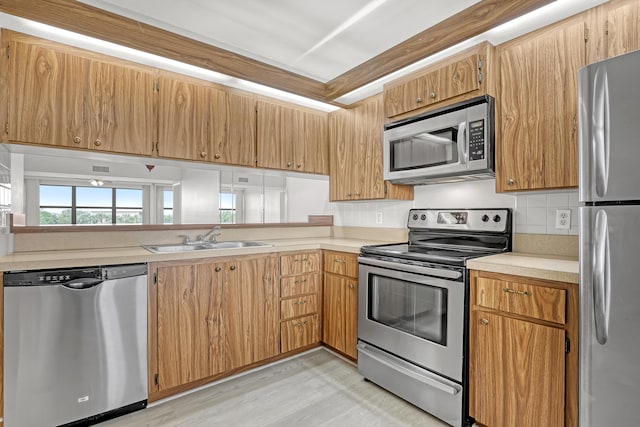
[{"x": 476, "y": 140}]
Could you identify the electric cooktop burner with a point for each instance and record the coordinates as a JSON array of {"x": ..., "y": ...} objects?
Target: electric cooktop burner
[{"x": 450, "y": 237}]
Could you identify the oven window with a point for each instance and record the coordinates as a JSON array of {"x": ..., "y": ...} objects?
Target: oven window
[
  {"x": 425, "y": 149},
  {"x": 414, "y": 308}
]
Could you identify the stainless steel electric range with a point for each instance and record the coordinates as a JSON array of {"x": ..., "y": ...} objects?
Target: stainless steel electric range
[{"x": 413, "y": 303}]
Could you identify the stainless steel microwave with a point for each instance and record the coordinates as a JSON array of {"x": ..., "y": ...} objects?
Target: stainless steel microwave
[{"x": 451, "y": 144}]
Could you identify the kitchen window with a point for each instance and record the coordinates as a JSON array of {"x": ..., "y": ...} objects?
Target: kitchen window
[{"x": 71, "y": 204}]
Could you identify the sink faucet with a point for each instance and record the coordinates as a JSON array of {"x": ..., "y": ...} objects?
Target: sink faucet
[{"x": 211, "y": 234}]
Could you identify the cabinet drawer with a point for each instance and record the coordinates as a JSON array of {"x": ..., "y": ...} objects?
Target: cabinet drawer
[
  {"x": 300, "y": 285},
  {"x": 300, "y": 306},
  {"x": 539, "y": 302},
  {"x": 299, "y": 333},
  {"x": 305, "y": 262},
  {"x": 344, "y": 264}
]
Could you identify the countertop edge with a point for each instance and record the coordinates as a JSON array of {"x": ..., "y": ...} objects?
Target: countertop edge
[{"x": 556, "y": 268}]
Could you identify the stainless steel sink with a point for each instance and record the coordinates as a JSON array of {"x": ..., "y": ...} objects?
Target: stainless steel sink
[{"x": 203, "y": 246}]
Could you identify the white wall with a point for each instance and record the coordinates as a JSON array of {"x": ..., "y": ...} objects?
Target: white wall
[{"x": 533, "y": 212}]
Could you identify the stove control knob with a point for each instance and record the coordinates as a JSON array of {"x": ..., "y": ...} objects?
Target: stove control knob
[
  {"x": 423, "y": 217},
  {"x": 415, "y": 217},
  {"x": 497, "y": 218},
  {"x": 485, "y": 218}
]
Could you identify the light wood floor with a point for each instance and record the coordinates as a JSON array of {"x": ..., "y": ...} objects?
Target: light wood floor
[{"x": 314, "y": 389}]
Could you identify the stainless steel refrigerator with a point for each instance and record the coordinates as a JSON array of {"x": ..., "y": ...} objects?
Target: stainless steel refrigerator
[{"x": 609, "y": 102}]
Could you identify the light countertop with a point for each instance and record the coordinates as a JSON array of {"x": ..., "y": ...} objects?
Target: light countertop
[
  {"x": 137, "y": 254},
  {"x": 558, "y": 268}
]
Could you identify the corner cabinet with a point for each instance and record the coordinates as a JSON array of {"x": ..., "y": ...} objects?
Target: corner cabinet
[
  {"x": 356, "y": 169},
  {"x": 58, "y": 97},
  {"x": 290, "y": 138},
  {"x": 340, "y": 320},
  {"x": 523, "y": 351},
  {"x": 538, "y": 109}
]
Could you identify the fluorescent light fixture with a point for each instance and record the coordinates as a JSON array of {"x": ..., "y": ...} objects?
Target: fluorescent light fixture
[{"x": 96, "y": 182}]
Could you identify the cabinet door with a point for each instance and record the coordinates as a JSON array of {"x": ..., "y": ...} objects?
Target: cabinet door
[
  {"x": 119, "y": 108},
  {"x": 623, "y": 27},
  {"x": 45, "y": 96},
  {"x": 341, "y": 167},
  {"x": 252, "y": 311},
  {"x": 300, "y": 332},
  {"x": 367, "y": 180},
  {"x": 333, "y": 316},
  {"x": 460, "y": 77},
  {"x": 519, "y": 372},
  {"x": 351, "y": 318},
  {"x": 275, "y": 136},
  {"x": 316, "y": 143},
  {"x": 190, "y": 345},
  {"x": 538, "y": 148},
  {"x": 239, "y": 148},
  {"x": 183, "y": 117},
  {"x": 404, "y": 97}
]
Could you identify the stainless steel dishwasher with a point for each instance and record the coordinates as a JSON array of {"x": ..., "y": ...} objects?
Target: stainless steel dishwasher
[{"x": 75, "y": 345}]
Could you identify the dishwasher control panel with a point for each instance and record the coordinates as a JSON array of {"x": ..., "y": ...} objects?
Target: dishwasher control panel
[{"x": 64, "y": 275}]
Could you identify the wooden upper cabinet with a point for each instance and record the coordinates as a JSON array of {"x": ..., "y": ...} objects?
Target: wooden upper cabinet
[
  {"x": 45, "y": 98},
  {"x": 356, "y": 164},
  {"x": 58, "y": 97},
  {"x": 184, "y": 113},
  {"x": 292, "y": 139},
  {"x": 460, "y": 77},
  {"x": 622, "y": 27},
  {"x": 538, "y": 144},
  {"x": 119, "y": 108},
  {"x": 239, "y": 146}
]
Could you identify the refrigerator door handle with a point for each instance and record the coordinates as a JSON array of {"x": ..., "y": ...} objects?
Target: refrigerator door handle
[
  {"x": 600, "y": 134},
  {"x": 601, "y": 278}
]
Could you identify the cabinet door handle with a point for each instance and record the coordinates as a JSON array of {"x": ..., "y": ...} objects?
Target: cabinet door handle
[
  {"x": 341, "y": 260},
  {"x": 289, "y": 164},
  {"x": 300, "y": 302},
  {"x": 418, "y": 100},
  {"x": 510, "y": 181},
  {"x": 517, "y": 292},
  {"x": 301, "y": 259},
  {"x": 203, "y": 154},
  {"x": 77, "y": 140},
  {"x": 218, "y": 269},
  {"x": 484, "y": 321},
  {"x": 351, "y": 286},
  {"x": 97, "y": 143},
  {"x": 300, "y": 281},
  {"x": 233, "y": 267},
  {"x": 216, "y": 156},
  {"x": 432, "y": 95}
]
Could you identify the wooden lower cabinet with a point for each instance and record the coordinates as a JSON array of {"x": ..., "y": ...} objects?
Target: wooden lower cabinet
[
  {"x": 210, "y": 317},
  {"x": 340, "y": 302},
  {"x": 300, "y": 286},
  {"x": 523, "y": 351}
]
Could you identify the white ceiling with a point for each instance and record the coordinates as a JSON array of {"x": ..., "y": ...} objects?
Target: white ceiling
[{"x": 318, "y": 39}]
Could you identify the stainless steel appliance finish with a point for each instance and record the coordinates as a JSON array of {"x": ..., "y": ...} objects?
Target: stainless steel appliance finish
[
  {"x": 75, "y": 344},
  {"x": 609, "y": 102},
  {"x": 454, "y": 143},
  {"x": 413, "y": 306}
]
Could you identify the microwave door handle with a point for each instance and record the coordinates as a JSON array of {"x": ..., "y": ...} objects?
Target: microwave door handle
[{"x": 462, "y": 142}]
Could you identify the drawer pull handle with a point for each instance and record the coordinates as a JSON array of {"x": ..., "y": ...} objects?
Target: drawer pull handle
[
  {"x": 514, "y": 291},
  {"x": 300, "y": 302},
  {"x": 300, "y": 281},
  {"x": 301, "y": 260},
  {"x": 341, "y": 260},
  {"x": 484, "y": 321},
  {"x": 300, "y": 323},
  {"x": 351, "y": 286}
]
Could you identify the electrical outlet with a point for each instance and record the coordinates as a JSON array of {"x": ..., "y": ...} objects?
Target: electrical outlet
[
  {"x": 563, "y": 219},
  {"x": 378, "y": 217}
]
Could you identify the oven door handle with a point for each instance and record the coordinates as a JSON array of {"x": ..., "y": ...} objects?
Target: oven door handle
[
  {"x": 424, "y": 377},
  {"x": 436, "y": 272}
]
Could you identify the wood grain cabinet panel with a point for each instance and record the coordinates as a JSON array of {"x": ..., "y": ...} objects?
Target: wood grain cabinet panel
[
  {"x": 622, "y": 27},
  {"x": 292, "y": 139},
  {"x": 356, "y": 169},
  {"x": 300, "y": 306},
  {"x": 189, "y": 325},
  {"x": 252, "y": 311},
  {"x": 239, "y": 146},
  {"x": 60, "y": 98},
  {"x": 300, "y": 332},
  {"x": 523, "y": 351},
  {"x": 300, "y": 285},
  {"x": 538, "y": 142},
  {"x": 519, "y": 367},
  {"x": 299, "y": 263},
  {"x": 342, "y": 263},
  {"x": 340, "y": 305}
]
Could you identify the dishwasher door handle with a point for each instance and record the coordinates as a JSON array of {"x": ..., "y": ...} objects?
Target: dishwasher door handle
[{"x": 85, "y": 283}]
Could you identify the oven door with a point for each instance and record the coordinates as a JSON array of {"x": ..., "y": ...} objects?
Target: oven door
[{"x": 413, "y": 312}]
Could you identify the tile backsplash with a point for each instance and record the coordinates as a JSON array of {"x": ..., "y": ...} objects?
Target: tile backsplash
[{"x": 534, "y": 213}]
